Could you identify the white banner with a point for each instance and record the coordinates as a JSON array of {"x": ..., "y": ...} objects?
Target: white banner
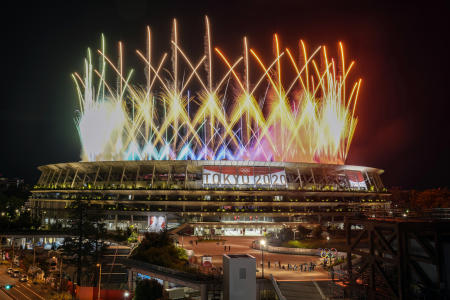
[{"x": 229, "y": 175}]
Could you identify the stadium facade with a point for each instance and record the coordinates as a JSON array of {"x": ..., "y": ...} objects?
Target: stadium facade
[{"x": 215, "y": 197}]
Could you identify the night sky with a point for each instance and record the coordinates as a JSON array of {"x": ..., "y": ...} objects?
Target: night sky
[{"x": 402, "y": 54}]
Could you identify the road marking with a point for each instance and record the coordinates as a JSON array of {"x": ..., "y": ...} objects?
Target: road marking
[
  {"x": 33, "y": 292},
  {"x": 7, "y": 294},
  {"x": 320, "y": 290},
  {"x": 17, "y": 290}
]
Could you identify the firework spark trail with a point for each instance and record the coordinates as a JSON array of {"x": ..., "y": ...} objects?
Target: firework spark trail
[{"x": 309, "y": 120}]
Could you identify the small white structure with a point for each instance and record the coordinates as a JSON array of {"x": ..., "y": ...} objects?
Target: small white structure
[{"x": 239, "y": 277}]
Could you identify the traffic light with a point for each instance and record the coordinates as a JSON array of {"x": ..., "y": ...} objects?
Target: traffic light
[{"x": 8, "y": 286}]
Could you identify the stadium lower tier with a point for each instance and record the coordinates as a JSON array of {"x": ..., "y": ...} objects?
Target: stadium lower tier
[{"x": 215, "y": 197}]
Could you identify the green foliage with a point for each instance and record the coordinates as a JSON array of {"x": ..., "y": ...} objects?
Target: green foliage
[
  {"x": 148, "y": 290},
  {"x": 159, "y": 249},
  {"x": 118, "y": 235},
  {"x": 133, "y": 238},
  {"x": 13, "y": 215},
  {"x": 294, "y": 244}
]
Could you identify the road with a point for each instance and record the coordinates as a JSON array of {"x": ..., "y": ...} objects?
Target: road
[{"x": 26, "y": 290}]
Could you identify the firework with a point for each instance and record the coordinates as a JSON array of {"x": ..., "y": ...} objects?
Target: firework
[{"x": 251, "y": 112}]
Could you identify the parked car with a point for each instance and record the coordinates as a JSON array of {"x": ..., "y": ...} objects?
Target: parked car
[{"x": 23, "y": 278}]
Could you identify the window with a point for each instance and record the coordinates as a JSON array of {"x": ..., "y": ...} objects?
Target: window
[{"x": 242, "y": 273}]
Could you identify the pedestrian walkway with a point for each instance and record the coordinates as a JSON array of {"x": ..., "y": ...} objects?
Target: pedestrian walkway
[{"x": 239, "y": 245}]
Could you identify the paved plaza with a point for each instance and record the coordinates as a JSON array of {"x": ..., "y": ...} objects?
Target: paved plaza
[{"x": 240, "y": 245}]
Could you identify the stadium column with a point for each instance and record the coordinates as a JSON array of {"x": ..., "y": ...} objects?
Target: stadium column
[
  {"x": 109, "y": 176},
  {"x": 59, "y": 176},
  {"x": 67, "y": 175},
  {"x": 185, "y": 177},
  {"x": 300, "y": 178},
  {"x": 380, "y": 183},
  {"x": 123, "y": 175},
  {"x": 368, "y": 178},
  {"x": 153, "y": 174},
  {"x": 47, "y": 181},
  {"x": 96, "y": 176},
  {"x": 137, "y": 176},
  {"x": 375, "y": 183},
  {"x": 312, "y": 175},
  {"x": 74, "y": 178},
  {"x": 84, "y": 179},
  {"x": 168, "y": 175},
  {"x": 53, "y": 175}
]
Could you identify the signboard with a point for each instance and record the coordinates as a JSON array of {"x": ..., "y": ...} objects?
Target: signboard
[
  {"x": 356, "y": 179},
  {"x": 206, "y": 261},
  {"x": 233, "y": 175},
  {"x": 156, "y": 223}
]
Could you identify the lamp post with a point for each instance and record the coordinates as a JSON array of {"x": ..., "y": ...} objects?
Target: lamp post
[
  {"x": 262, "y": 243},
  {"x": 99, "y": 281}
]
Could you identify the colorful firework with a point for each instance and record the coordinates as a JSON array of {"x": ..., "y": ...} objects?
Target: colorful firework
[{"x": 242, "y": 115}]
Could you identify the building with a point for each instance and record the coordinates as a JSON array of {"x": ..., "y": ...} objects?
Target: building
[{"x": 215, "y": 197}]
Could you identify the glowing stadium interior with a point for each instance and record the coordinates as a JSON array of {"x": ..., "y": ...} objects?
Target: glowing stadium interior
[{"x": 217, "y": 197}]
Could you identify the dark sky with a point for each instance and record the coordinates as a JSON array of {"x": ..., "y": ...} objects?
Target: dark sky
[{"x": 401, "y": 49}]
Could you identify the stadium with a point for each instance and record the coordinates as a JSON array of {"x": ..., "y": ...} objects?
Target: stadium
[
  {"x": 215, "y": 197},
  {"x": 242, "y": 153}
]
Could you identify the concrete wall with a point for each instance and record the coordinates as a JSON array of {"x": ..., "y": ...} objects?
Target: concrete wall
[{"x": 239, "y": 277}]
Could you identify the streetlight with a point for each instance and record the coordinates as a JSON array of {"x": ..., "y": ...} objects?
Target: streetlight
[
  {"x": 262, "y": 243},
  {"x": 99, "y": 280}
]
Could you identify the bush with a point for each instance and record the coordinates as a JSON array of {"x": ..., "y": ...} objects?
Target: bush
[
  {"x": 148, "y": 290},
  {"x": 159, "y": 249}
]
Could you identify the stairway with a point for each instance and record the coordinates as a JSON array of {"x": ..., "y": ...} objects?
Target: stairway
[{"x": 114, "y": 275}]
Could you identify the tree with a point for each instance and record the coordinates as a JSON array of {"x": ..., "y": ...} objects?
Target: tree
[
  {"x": 302, "y": 232},
  {"x": 159, "y": 249},
  {"x": 286, "y": 234},
  {"x": 148, "y": 290},
  {"x": 85, "y": 247},
  {"x": 317, "y": 232}
]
